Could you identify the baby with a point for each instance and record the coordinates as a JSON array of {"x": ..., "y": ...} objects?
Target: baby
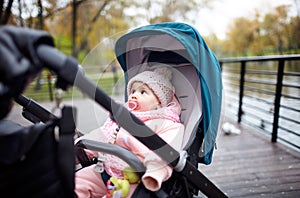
[{"x": 151, "y": 98}]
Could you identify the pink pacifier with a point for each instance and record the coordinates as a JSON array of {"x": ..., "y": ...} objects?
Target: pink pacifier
[{"x": 133, "y": 105}]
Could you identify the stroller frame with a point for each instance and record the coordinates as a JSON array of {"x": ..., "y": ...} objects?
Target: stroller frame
[{"x": 70, "y": 74}]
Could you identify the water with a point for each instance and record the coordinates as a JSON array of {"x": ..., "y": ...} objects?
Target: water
[{"x": 258, "y": 106}]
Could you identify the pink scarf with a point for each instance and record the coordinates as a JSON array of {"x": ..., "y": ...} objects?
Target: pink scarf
[{"x": 170, "y": 113}]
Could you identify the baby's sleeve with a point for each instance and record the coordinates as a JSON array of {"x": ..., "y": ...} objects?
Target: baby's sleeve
[{"x": 158, "y": 170}]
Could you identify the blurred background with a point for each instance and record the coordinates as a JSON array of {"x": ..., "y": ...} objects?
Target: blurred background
[
  {"x": 231, "y": 27},
  {"x": 88, "y": 29}
]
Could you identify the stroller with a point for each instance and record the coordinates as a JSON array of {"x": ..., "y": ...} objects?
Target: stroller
[{"x": 197, "y": 81}]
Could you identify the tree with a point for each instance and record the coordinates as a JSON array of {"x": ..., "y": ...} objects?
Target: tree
[
  {"x": 240, "y": 36},
  {"x": 275, "y": 32},
  {"x": 5, "y": 13},
  {"x": 275, "y": 26},
  {"x": 157, "y": 11},
  {"x": 294, "y": 41},
  {"x": 89, "y": 29}
]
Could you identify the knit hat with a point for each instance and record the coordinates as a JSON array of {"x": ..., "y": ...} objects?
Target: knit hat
[{"x": 159, "y": 81}]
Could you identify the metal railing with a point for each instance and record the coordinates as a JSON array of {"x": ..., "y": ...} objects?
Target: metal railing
[{"x": 264, "y": 92}]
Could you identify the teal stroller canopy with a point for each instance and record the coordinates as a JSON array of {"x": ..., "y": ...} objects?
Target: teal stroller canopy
[{"x": 180, "y": 44}]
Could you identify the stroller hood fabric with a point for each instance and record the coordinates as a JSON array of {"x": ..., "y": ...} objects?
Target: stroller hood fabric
[{"x": 205, "y": 63}]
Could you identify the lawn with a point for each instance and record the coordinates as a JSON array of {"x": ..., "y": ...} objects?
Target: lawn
[{"x": 46, "y": 89}]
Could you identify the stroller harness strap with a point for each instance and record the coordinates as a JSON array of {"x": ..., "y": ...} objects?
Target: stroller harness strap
[{"x": 66, "y": 148}]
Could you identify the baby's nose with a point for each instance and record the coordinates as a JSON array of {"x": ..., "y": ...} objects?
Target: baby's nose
[{"x": 133, "y": 97}]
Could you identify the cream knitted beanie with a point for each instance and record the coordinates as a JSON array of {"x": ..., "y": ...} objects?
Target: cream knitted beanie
[{"x": 159, "y": 81}]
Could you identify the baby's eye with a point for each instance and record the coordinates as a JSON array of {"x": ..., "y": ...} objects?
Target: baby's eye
[
  {"x": 143, "y": 92},
  {"x": 132, "y": 91}
]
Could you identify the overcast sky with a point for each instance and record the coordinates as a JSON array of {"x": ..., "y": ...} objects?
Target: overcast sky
[{"x": 217, "y": 19}]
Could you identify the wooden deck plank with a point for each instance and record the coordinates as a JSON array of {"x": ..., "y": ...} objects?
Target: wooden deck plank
[{"x": 249, "y": 165}]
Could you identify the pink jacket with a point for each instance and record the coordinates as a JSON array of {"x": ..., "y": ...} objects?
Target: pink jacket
[{"x": 165, "y": 122}]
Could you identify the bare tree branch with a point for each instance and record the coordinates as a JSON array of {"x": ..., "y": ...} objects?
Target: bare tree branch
[
  {"x": 90, "y": 28},
  {"x": 50, "y": 14}
]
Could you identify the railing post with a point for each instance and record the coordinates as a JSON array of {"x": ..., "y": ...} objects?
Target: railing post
[
  {"x": 242, "y": 81},
  {"x": 277, "y": 99}
]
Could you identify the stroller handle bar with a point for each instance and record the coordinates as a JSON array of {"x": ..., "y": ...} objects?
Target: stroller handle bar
[
  {"x": 113, "y": 149},
  {"x": 68, "y": 69},
  {"x": 34, "y": 109}
]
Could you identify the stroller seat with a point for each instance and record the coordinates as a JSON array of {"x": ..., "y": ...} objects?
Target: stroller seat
[{"x": 196, "y": 77}]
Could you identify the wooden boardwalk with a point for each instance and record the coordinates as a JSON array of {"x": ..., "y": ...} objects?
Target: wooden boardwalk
[{"x": 249, "y": 165}]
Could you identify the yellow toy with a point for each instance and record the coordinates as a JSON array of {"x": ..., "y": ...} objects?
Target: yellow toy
[
  {"x": 117, "y": 188},
  {"x": 130, "y": 175}
]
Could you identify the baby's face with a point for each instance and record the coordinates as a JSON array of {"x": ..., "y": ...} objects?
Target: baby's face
[{"x": 145, "y": 97}]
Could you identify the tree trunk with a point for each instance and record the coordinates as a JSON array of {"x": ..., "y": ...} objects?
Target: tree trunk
[
  {"x": 5, "y": 17},
  {"x": 41, "y": 19},
  {"x": 74, "y": 29}
]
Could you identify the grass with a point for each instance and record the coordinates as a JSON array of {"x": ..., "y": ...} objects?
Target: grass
[{"x": 46, "y": 91}]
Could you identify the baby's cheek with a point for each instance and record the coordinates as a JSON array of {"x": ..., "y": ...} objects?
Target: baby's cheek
[{"x": 143, "y": 107}]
